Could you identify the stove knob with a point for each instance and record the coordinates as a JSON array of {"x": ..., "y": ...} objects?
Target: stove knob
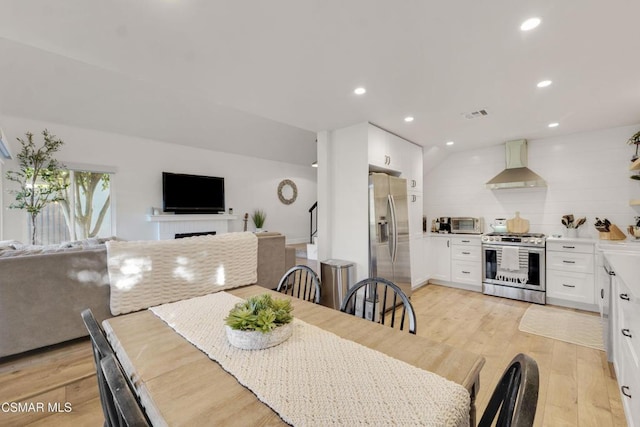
[
  {"x": 526, "y": 240},
  {"x": 539, "y": 241}
]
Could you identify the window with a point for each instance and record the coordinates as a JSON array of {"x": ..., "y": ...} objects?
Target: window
[{"x": 85, "y": 212}]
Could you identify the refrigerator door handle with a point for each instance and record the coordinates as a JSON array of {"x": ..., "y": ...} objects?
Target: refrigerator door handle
[{"x": 393, "y": 234}]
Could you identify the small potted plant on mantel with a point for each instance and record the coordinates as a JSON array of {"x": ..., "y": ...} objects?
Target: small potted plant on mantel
[
  {"x": 259, "y": 322},
  {"x": 259, "y": 217}
]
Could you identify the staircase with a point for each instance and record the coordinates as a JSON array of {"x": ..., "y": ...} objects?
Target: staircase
[{"x": 312, "y": 246}]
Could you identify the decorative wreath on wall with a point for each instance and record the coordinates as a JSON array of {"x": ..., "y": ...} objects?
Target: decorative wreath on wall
[{"x": 287, "y": 191}]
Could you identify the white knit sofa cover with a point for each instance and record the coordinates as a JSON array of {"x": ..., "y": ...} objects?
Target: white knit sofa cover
[{"x": 143, "y": 274}]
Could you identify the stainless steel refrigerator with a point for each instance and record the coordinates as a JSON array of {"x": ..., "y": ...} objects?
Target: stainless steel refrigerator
[{"x": 389, "y": 255}]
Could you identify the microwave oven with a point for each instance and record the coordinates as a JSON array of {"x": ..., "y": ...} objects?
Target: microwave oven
[{"x": 466, "y": 225}]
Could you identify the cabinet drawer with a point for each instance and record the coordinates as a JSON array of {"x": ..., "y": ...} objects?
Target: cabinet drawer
[
  {"x": 629, "y": 385},
  {"x": 466, "y": 272},
  {"x": 629, "y": 320},
  {"x": 585, "y": 248},
  {"x": 466, "y": 253},
  {"x": 465, "y": 241},
  {"x": 570, "y": 286},
  {"x": 567, "y": 261}
]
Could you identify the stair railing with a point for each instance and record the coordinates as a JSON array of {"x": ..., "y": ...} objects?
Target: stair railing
[{"x": 313, "y": 230}]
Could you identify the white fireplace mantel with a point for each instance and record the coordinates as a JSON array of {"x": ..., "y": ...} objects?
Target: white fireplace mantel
[{"x": 169, "y": 225}]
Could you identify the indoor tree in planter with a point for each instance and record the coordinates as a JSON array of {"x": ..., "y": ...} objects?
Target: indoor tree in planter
[{"x": 39, "y": 178}]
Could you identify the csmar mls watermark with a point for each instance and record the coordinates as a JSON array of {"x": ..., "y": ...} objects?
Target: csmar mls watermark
[{"x": 49, "y": 407}]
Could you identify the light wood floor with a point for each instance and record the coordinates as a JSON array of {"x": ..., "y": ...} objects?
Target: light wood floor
[{"x": 577, "y": 387}]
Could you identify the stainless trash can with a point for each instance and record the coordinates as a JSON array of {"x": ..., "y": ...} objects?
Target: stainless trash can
[{"x": 337, "y": 277}]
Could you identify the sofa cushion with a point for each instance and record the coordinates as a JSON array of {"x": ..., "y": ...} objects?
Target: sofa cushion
[{"x": 147, "y": 273}]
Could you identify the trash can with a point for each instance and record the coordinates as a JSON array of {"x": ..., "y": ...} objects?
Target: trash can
[{"x": 337, "y": 277}]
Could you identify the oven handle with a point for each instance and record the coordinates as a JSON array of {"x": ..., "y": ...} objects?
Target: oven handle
[{"x": 528, "y": 248}]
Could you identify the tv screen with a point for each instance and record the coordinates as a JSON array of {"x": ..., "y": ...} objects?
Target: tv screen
[{"x": 185, "y": 194}]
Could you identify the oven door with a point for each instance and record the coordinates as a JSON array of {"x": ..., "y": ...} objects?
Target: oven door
[{"x": 535, "y": 270}]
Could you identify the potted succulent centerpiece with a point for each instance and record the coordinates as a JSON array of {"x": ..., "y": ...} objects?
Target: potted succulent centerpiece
[{"x": 259, "y": 322}]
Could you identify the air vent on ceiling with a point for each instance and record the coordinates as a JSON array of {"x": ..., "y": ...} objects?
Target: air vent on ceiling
[{"x": 475, "y": 114}]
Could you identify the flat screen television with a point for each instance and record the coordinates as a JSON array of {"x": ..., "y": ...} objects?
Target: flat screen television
[{"x": 189, "y": 194}]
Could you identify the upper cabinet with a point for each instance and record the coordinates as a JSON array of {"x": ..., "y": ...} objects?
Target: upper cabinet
[
  {"x": 412, "y": 167},
  {"x": 388, "y": 152},
  {"x": 384, "y": 151}
]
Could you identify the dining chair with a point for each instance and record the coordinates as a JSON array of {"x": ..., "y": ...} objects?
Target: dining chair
[
  {"x": 515, "y": 395},
  {"x": 380, "y": 300},
  {"x": 101, "y": 348},
  {"x": 301, "y": 282},
  {"x": 128, "y": 410}
]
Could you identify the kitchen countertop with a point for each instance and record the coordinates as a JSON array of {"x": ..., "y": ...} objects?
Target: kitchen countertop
[
  {"x": 629, "y": 245},
  {"x": 429, "y": 233},
  {"x": 556, "y": 238}
]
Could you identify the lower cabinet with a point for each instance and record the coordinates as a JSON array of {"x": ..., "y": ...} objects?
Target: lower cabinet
[
  {"x": 626, "y": 347},
  {"x": 439, "y": 258},
  {"x": 456, "y": 261},
  {"x": 419, "y": 266},
  {"x": 570, "y": 273},
  {"x": 466, "y": 259}
]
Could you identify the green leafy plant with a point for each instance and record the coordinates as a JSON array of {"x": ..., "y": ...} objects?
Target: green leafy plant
[
  {"x": 259, "y": 217},
  {"x": 260, "y": 313},
  {"x": 40, "y": 177}
]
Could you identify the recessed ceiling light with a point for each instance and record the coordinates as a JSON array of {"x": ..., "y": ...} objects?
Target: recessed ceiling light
[
  {"x": 553, "y": 125},
  {"x": 449, "y": 142},
  {"x": 408, "y": 119},
  {"x": 530, "y": 24},
  {"x": 360, "y": 91},
  {"x": 544, "y": 83}
]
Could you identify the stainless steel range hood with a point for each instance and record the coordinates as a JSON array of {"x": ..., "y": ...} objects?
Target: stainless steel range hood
[{"x": 516, "y": 173}]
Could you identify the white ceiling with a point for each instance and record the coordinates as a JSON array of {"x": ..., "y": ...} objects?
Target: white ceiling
[{"x": 261, "y": 77}]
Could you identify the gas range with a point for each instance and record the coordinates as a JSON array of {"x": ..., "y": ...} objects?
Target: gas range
[{"x": 515, "y": 239}]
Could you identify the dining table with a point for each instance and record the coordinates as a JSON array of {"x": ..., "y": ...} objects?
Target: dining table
[{"x": 179, "y": 384}]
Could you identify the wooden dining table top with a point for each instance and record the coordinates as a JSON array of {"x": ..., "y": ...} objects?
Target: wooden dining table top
[{"x": 180, "y": 385}]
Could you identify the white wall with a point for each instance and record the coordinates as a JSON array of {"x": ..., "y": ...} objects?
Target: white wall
[
  {"x": 343, "y": 208},
  {"x": 587, "y": 175},
  {"x": 250, "y": 183}
]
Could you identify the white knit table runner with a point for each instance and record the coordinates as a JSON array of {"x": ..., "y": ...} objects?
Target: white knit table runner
[{"x": 316, "y": 378}]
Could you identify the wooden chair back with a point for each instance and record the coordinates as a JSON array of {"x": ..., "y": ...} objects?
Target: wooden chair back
[{"x": 380, "y": 300}]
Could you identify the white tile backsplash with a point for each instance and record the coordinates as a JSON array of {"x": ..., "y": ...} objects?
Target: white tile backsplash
[{"x": 587, "y": 175}]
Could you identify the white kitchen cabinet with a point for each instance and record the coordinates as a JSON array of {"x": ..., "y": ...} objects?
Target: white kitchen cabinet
[
  {"x": 440, "y": 257},
  {"x": 385, "y": 149},
  {"x": 466, "y": 257},
  {"x": 626, "y": 347},
  {"x": 414, "y": 201},
  {"x": 419, "y": 268},
  {"x": 456, "y": 261},
  {"x": 412, "y": 167},
  {"x": 570, "y": 273}
]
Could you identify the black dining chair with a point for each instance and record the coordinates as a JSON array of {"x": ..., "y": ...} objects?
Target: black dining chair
[
  {"x": 515, "y": 395},
  {"x": 128, "y": 411},
  {"x": 101, "y": 349},
  {"x": 380, "y": 300},
  {"x": 301, "y": 282}
]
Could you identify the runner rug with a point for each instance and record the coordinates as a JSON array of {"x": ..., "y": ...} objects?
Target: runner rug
[{"x": 564, "y": 325}]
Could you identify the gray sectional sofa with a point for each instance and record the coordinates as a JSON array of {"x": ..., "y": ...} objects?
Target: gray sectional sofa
[{"x": 43, "y": 290}]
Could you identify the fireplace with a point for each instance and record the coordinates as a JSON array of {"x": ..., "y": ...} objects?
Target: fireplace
[
  {"x": 199, "y": 233},
  {"x": 171, "y": 226}
]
